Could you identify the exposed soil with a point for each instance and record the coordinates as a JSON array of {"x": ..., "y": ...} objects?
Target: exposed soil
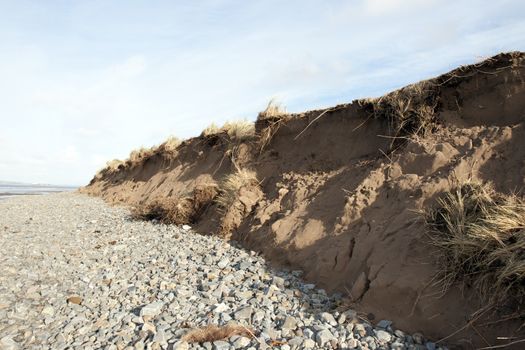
[{"x": 340, "y": 199}]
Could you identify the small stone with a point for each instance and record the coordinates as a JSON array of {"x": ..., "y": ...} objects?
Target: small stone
[
  {"x": 241, "y": 342},
  {"x": 221, "y": 345},
  {"x": 308, "y": 333},
  {"x": 48, "y": 310},
  {"x": 430, "y": 346},
  {"x": 220, "y": 308},
  {"x": 137, "y": 320},
  {"x": 223, "y": 263},
  {"x": 148, "y": 327},
  {"x": 75, "y": 299},
  {"x": 181, "y": 345},
  {"x": 384, "y": 324},
  {"x": 308, "y": 344},
  {"x": 7, "y": 343},
  {"x": 353, "y": 343},
  {"x": 323, "y": 337},
  {"x": 244, "y": 314},
  {"x": 289, "y": 323},
  {"x": 296, "y": 342},
  {"x": 399, "y": 333},
  {"x": 383, "y": 336},
  {"x": 328, "y": 318},
  {"x": 278, "y": 281},
  {"x": 399, "y": 346},
  {"x": 152, "y": 309}
]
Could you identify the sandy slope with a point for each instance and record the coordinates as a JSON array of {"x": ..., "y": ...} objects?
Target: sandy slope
[{"x": 340, "y": 201}]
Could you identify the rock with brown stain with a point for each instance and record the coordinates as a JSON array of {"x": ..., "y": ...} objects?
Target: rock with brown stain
[{"x": 74, "y": 299}]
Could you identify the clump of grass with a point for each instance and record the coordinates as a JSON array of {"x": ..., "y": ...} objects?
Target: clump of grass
[
  {"x": 481, "y": 237},
  {"x": 181, "y": 210},
  {"x": 239, "y": 130},
  {"x": 171, "y": 144},
  {"x": 273, "y": 109},
  {"x": 213, "y": 333},
  {"x": 410, "y": 111},
  {"x": 232, "y": 184},
  {"x": 269, "y": 121},
  {"x": 114, "y": 164},
  {"x": 111, "y": 167},
  {"x": 211, "y": 130},
  {"x": 167, "y": 210},
  {"x": 139, "y": 155}
]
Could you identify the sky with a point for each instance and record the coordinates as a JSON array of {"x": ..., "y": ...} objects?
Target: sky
[{"x": 83, "y": 82}]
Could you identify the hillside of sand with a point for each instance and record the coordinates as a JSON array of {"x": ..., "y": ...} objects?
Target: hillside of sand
[{"x": 338, "y": 192}]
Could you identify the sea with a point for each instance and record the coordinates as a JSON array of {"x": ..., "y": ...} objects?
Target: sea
[{"x": 11, "y": 189}]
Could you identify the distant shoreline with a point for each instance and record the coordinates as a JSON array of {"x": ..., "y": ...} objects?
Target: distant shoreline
[{"x": 11, "y": 190}]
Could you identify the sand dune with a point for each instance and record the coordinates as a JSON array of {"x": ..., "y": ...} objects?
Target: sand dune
[{"x": 339, "y": 191}]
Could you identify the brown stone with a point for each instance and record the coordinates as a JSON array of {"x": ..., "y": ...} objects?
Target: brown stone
[{"x": 75, "y": 299}]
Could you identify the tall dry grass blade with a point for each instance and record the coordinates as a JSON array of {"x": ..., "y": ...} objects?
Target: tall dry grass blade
[
  {"x": 480, "y": 235},
  {"x": 240, "y": 130},
  {"x": 273, "y": 109},
  {"x": 230, "y": 187}
]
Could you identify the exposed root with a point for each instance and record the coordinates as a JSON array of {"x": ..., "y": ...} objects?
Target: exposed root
[
  {"x": 410, "y": 111},
  {"x": 179, "y": 211}
]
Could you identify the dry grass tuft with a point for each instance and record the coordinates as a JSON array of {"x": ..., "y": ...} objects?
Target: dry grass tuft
[
  {"x": 481, "y": 236},
  {"x": 239, "y": 130},
  {"x": 171, "y": 144},
  {"x": 179, "y": 211},
  {"x": 113, "y": 165},
  {"x": 167, "y": 210},
  {"x": 230, "y": 187},
  {"x": 211, "y": 130},
  {"x": 274, "y": 109},
  {"x": 139, "y": 155},
  {"x": 213, "y": 333},
  {"x": 410, "y": 111},
  {"x": 269, "y": 122},
  {"x": 266, "y": 135}
]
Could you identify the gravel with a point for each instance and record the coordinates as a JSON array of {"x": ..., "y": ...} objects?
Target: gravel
[{"x": 79, "y": 274}]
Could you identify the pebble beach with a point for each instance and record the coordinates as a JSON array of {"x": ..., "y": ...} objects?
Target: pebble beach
[{"x": 79, "y": 274}]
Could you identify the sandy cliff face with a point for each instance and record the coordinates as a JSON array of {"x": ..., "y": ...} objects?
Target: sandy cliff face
[{"x": 340, "y": 192}]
